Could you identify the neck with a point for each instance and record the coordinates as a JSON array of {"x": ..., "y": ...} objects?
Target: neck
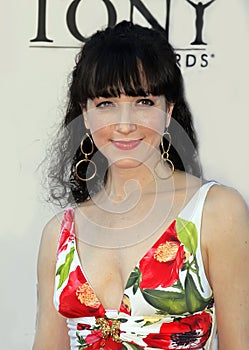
[
  {"x": 143, "y": 179},
  {"x": 122, "y": 182}
]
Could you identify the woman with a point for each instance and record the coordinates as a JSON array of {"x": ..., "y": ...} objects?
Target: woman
[{"x": 148, "y": 255}]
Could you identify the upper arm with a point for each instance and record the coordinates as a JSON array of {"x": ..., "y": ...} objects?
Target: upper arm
[
  {"x": 227, "y": 231},
  {"x": 51, "y": 329}
]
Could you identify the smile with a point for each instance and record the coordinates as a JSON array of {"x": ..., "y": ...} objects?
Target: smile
[{"x": 127, "y": 144}]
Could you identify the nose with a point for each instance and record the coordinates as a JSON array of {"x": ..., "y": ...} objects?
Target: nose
[{"x": 125, "y": 119}]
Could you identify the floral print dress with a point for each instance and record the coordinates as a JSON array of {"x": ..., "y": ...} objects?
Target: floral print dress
[{"x": 167, "y": 304}]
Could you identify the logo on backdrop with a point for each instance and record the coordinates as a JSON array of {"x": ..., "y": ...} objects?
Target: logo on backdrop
[{"x": 193, "y": 54}]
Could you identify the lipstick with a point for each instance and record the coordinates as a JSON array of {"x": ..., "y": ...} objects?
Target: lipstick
[{"x": 126, "y": 144}]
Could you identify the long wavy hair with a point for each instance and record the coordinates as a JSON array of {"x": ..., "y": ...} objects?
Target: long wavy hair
[{"x": 125, "y": 59}]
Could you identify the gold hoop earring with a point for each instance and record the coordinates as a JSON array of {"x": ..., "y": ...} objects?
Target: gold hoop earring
[
  {"x": 86, "y": 160},
  {"x": 165, "y": 156}
]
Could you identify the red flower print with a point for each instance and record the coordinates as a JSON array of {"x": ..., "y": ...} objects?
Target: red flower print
[
  {"x": 78, "y": 299},
  {"x": 83, "y": 326},
  {"x": 110, "y": 344},
  {"x": 93, "y": 337},
  {"x": 161, "y": 265},
  {"x": 86, "y": 295},
  {"x": 125, "y": 305},
  {"x": 96, "y": 342},
  {"x": 191, "y": 332},
  {"x": 67, "y": 230},
  {"x": 97, "y": 345}
]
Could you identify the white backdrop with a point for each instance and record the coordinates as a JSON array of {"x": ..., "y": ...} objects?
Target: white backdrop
[{"x": 33, "y": 91}]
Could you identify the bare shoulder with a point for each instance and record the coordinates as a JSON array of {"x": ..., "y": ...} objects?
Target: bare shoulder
[
  {"x": 225, "y": 233},
  {"x": 52, "y": 227},
  {"x": 49, "y": 238},
  {"x": 51, "y": 329},
  {"x": 225, "y": 227},
  {"x": 225, "y": 206}
]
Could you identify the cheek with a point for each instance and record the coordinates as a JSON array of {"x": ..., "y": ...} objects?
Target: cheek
[
  {"x": 152, "y": 137},
  {"x": 155, "y": 123},
  {"x": 154, "y": 130},
  {"x": 96, "y": 125},
  {"x": 100, "y": 136},
  {"x": 156, "y": 127}
]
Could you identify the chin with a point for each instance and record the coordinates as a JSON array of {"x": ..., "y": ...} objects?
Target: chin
[{"x": 126, "y": 163}]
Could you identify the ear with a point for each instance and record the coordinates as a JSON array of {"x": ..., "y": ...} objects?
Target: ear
[
  {"x": 84, "y": 114},
  {"x": 170, "y": 108}
]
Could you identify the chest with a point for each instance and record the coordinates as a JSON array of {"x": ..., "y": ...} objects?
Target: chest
[
  {"x": 110, "y": 246},
  {"x": 108, "y": 269}
]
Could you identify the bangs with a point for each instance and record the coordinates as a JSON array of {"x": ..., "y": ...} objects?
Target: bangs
[{"x": 122, "y": 68}]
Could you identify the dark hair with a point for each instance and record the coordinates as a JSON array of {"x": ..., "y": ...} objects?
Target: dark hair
[{"x": 126, "y": 59}]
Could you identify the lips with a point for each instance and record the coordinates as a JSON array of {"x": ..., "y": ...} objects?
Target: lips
[{"x": 126, "y": 144}]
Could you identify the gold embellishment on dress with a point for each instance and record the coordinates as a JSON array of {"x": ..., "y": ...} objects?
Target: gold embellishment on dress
[
  {"x": 86, "y": 295},
  {"x": 166, "y": 252},
  {"x": 109, "y": 328}
]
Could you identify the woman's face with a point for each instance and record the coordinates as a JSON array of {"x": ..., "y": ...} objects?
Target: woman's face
[{"x": 127, "y": 129}]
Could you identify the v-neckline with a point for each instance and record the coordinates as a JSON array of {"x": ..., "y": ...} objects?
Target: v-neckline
[{"x": 158, "y": 239}]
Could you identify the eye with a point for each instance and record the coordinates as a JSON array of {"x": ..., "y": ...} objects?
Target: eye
[
  {"x": 104, "y": 104},
  {"x": 145, "y": 102}
]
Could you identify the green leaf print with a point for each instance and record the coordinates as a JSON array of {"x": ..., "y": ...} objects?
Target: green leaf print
[
  {"x": 63, "y": 270},
  {"x": 175, "y": 303},
  {"x": 195, "y": 302},
  {"x": 83, "y": 345},
  {"x": 134, "y": 280},
  {"x": 187, "y": 234},
  {"x": 170, "y": 302},
  {"x": 135, "y": 288},
  {"x": 134, "y": 277}
]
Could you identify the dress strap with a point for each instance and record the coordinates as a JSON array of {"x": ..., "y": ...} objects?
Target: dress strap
[
  {"x": 204, "y": 191},
  {"x": 193, "y": 213},
  {"x": 67, "y": 232},
  {"x": 194, "y": 209}
]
